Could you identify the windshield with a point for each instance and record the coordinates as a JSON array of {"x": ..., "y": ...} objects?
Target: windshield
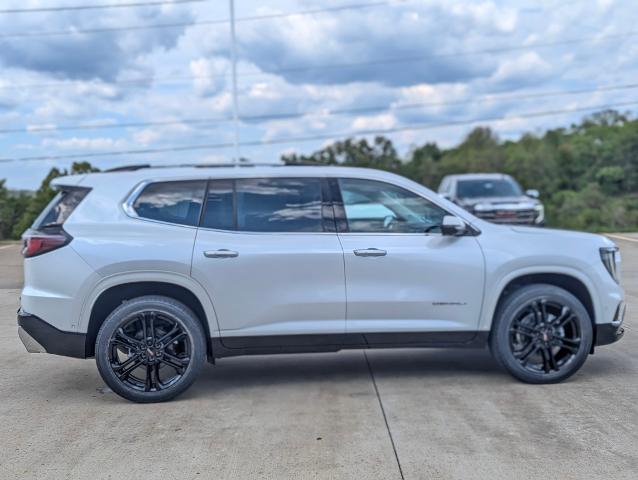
[{"x": 505, "y": 187}]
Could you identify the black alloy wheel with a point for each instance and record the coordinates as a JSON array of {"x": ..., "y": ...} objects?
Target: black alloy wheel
[
  {"x": 149, "y": 352},
  {"x": 150, "y": 349},
  {"x": 545, "y": 336},
  {"x": 541, "y": 334}
]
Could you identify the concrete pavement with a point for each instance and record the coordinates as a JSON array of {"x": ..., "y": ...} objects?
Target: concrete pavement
[{"x": 413, "y": 414}]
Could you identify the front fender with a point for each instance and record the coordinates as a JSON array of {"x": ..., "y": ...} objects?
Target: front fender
[{"x": 498, "y": 284}]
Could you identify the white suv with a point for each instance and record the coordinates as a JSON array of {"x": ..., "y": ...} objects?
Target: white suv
[{"x": 153, "y": 271}]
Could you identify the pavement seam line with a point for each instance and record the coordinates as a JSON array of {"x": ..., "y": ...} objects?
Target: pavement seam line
[
  {"x": 622, "y": 237},
  {"x": 385, "y": 418}
]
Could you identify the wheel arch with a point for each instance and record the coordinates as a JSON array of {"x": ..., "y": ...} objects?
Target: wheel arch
[
  {"x": 568, "y": 281},
  {"x": 114, "y": 293}
]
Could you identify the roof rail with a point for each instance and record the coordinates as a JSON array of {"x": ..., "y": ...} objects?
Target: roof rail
[
  {"x": 132, "y": 168},
  {"x": 128, "y": 168}
]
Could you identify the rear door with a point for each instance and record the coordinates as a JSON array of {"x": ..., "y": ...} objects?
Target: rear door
[
  {"x": 268, "y": 254},
  {"x": 402, "y": 275}
]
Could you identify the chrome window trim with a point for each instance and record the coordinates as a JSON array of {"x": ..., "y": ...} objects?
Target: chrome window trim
[{"x": 129, "y": 201}]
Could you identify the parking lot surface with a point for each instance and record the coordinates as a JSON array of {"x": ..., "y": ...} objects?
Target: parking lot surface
[{"x": 413, "y": 414}]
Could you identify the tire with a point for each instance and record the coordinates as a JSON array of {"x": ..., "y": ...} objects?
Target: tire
[
  {"x": 150, "y": 349},
  {"x": 541, "y": 334}
]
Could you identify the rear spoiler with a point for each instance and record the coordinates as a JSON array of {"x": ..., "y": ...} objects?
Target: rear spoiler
[{"x": 69, "y": 181}]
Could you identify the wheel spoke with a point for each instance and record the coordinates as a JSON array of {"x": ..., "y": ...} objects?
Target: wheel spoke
[
  {"x": 125, "y": 373},
  {"x": 521, "y": 330},
  {"x": 564, "y": 317},
  {"x": 543, "y": 309},
  {"x": 149, "y": 378},
  {"x": 570, "y": 344},
  {"x": 144, "y": 331},
  {"x": 125, "y": 340},
  {"x": 538, "y": 315},
  {"x": 117, "y": 367},
  {"x": 527, "y": 352},
  {"x": 177, "y": 363},
  {"x": 151, "y": 317},
  {"x": 551, "y": 358},
  {"x": 545, "y": 357},
  {"x": 168, "y": 335}
]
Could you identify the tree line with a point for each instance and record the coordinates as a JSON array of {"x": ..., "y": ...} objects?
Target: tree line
[{"x": 587, "y": 173}]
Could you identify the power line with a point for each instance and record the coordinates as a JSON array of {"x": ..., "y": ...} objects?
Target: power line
[
  {"x": 276, "y": 141},
  {"x": 337, "y": 66},
  {"x": 354, "y": 6},
  {"x": 342, "y": 111},
  {"x": 98, "y": 6}
]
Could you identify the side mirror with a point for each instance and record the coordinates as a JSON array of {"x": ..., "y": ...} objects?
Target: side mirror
[
  {"x": 453, "y": 226},
  {"x": 532, "y": 193},
  {"x": 445, "y": 195}
]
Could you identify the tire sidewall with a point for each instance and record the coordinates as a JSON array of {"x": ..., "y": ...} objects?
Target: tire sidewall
[
  {"x": 512, "y": 306},
  {"x": 177, "y": 312}
]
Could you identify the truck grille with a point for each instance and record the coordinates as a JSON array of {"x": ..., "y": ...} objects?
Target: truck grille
[{"x": 523, "y": 217}]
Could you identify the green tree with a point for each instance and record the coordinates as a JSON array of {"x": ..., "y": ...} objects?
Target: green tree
[
  {"x": 43, "y": 196},
  {"x": 587, "y": 174}
]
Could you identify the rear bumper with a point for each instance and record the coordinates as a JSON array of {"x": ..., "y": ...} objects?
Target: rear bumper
[{"x": 39, "y": 336}]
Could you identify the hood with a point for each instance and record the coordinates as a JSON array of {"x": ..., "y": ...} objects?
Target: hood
[{"x": 562, "y": 235}]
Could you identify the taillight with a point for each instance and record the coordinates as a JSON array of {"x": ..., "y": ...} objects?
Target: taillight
[{"x": 38, "y": 243}]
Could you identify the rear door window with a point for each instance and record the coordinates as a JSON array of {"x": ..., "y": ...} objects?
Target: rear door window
[
  {"x": 279, "y": 205},
  {"x": 173, "y": 202}
]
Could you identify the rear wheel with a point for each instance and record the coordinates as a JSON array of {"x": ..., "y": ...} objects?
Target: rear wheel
[
  {"x": 150, "y": 349},
  {"x": 542, "y": 334}
]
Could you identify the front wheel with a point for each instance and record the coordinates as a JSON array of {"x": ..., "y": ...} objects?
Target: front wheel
[
  {"x": 541, "y": 334},
  {"x": 150, "y": 349}
]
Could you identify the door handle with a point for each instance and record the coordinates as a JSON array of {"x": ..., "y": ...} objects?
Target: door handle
[
  {"x": 370, "y": 252},
  {"x": 221, "y": 253}
]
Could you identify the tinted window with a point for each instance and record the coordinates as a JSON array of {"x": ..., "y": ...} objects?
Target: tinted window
[
  {"x": 279, "y": 205},
  {"x": 173, "y": 202},
  {"x": 61, "y": 207},
  {"x": 218, "y": 212},
  {"x": 378, "y": 207},
  {"x": 488, "y": 188}
]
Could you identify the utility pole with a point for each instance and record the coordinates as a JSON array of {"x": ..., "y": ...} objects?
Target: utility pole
[{"x": 233, "y": 53}]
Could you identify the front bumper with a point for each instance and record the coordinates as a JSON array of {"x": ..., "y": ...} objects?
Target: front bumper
[
  {"x": 607, "y": 333},
  {"x": 40, "y": 337}
]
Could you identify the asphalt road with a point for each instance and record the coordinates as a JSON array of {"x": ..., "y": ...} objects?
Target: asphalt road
[{"x": 413, "y": 414}]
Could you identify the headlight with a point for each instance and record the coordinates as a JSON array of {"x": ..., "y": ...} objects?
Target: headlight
[
  {"x": 611, "y": 259},
  {"x": 540, "y": 213}
]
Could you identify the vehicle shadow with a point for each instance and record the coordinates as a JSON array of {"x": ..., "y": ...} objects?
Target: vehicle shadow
[
  {"x": 347, "y": 366},
  {"x": 451, "y": 366}
]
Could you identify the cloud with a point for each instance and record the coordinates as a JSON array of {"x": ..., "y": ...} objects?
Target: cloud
[
  {"x": 84, "y": 56},
  {"x": 209, "y": 75},
  {"x": 524, "y": 69},
  {"x": 76, "y": 143},
  {"x": 432, "y": 33},
  {"x": 406, "y": 45}
]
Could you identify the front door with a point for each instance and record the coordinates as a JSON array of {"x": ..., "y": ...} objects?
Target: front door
[
  {"x": 271, "y": 262},
  {"x": 402, "y": 275}
]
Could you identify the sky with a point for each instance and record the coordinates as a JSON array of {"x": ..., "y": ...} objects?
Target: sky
[{"x": 94, "y": 84}]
